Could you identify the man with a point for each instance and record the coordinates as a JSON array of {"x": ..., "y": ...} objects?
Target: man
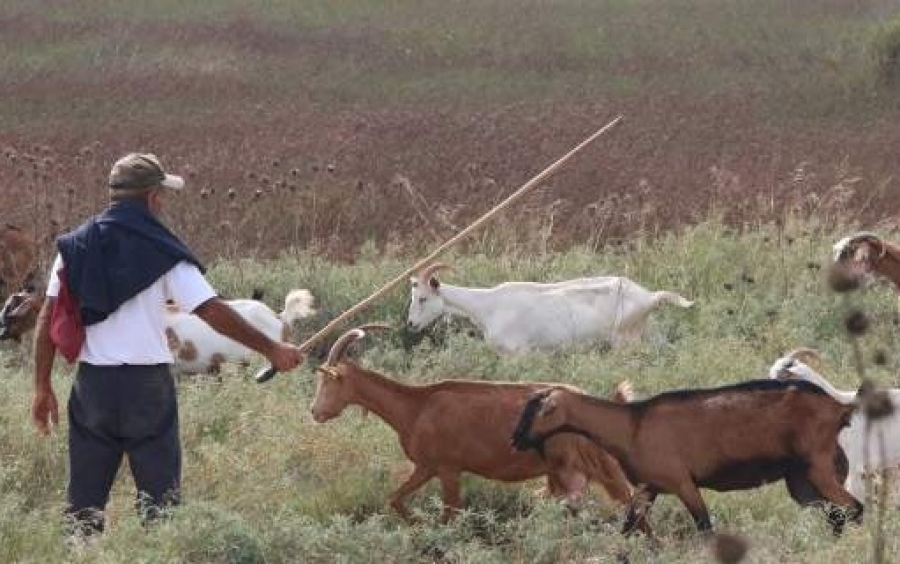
[{"x": 120, "y": 267}]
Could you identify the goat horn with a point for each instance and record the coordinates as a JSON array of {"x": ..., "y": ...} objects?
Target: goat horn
[
  {"x": 341, "y": 344},
  {"x": 804, "y": 354},
  {"x": 873, "y": 236},
  {"x": 426, "y": 273}
]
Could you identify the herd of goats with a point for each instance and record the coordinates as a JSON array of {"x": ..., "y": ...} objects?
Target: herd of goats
[{"x": 793, "y": 426}]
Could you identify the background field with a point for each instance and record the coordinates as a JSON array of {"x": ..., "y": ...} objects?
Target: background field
[
  {"x": 325, "y": 143},
  {"x": 370, "y": 121}
]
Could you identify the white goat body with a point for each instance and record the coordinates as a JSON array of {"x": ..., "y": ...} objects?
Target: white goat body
[
  {"x": 853, "y": 438},
  {"x": 520, "y": 316},
  {"x": 198, "y": 348}
]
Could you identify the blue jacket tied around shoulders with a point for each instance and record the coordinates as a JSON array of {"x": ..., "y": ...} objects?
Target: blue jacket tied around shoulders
[{"x": 117, "y": 254}]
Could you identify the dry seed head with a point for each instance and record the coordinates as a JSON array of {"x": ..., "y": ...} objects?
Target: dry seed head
[
  {"x": 880, "y": 357},
  {"x": 841, "y": 280},
  {"x": 728, "y": 548},
  {"x": 857, "y": 323},
  {"x": 295, "y": 172},
  {"x": 875, "y": 403}
]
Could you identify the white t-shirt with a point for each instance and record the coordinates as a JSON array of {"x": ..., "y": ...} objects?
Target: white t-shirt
[{"x": 136, "y": 332}]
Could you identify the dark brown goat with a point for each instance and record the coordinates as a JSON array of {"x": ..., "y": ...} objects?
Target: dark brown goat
[
  {"x": 19, "y": 313},
  {"x": 730, "y": 438},
  {"x": 459, "y": 426},
  {"x": 866, "y": 254},
  {"x": 17, "y": 259}
]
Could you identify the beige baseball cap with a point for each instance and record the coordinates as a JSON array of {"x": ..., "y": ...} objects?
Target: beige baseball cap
[{"x": 136, "y": 171}]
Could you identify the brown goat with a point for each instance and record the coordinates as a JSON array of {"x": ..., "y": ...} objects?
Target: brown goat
[
  {"x": 730, "y": 438},
  {"x": 457, "y": 426},
  {"x": 864, "y": 254},
  {"x": 17, "y": 259}
]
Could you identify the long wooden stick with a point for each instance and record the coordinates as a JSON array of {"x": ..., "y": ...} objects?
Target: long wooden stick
[{"x": 267, "y": 373}]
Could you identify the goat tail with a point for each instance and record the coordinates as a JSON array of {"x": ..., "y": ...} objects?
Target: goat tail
[
  {"x": 624, "y": 392},
  {"x": 666, "y": 297},
  {"x": 297, "y": 305}
]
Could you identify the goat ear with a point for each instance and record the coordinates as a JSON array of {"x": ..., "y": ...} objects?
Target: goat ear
[{"x": 434, "y": 283}]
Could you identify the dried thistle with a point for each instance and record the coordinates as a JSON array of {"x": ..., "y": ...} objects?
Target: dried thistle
[
  {"x": 841, "y": 280},
  {"x": 729, "y": 548},
  {"x": 875, "y": 403},
  {"x": 857, "y": 323}
]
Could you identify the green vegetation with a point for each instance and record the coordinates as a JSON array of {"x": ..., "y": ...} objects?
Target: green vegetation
[{"x": 263, "y": 483}]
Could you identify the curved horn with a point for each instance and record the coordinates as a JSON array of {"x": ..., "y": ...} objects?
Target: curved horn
[
  {"x": 341, "y": 344},
  {"x": 426, "y": 273},
  {"x": 863, "y": 235},
  {"x": 805, "y": 355}
]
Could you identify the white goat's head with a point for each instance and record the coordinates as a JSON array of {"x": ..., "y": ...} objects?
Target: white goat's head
[
  {"x": 334, "y": 385},
  {"x": 796, "y": 366},
  {"x": 426, "y": 303}
]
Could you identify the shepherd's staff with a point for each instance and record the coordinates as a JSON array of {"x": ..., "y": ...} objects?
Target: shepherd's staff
[{"x": 267, "y": 373}]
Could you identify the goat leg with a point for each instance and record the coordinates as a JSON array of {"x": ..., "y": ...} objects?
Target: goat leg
[
  {"x": 451, "y": 496},
  {"x": 823, "y": 478},
  {"x": 690, "y": 496},
  {"x": 639, "y": 511},
  {"x": 415, "y": 481}
]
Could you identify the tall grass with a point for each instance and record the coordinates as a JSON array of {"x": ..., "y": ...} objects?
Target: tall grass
[{"x": 264, "y": 484}]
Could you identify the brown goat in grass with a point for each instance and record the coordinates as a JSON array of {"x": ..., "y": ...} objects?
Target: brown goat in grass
[
  {"x": 865, "y": 254},
  {"x": 457, "y": 426},
  {"x": 17, "y": 259},
  {"x": 730, "y": 438},
  {"x": 19, "y": 313}
]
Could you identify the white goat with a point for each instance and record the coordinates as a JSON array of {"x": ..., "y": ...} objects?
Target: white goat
[
  {"x": 519, "y": 316},
  {"x": 852, "y": 439},
  {"x": 198, "y": 348}
]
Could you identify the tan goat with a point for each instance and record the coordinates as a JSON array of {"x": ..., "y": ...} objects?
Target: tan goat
[{"x": 457, "y": 426}]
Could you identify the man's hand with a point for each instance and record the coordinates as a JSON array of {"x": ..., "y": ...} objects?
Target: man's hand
[
  {"x": 285, "y": 356},
  {"x": 44, "y": 411}
]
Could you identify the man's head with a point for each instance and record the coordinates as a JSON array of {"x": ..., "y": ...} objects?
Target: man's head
[{"x": 142, "y": 175}]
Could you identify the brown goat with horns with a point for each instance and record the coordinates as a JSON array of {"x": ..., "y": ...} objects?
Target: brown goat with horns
[
  {"x": 456, "y": 426},
  {"x": 730, "y": 438}
]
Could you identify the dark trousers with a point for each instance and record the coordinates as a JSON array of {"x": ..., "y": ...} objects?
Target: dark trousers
[{"x": 117, "y": 410}]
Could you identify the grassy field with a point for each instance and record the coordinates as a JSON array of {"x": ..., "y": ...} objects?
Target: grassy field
[
  {"x": 263, "y": 483},
  {"x": 326, "y": 143}
]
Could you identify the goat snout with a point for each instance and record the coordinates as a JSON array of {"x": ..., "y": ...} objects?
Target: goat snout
[{"x": 319, "y": 416}]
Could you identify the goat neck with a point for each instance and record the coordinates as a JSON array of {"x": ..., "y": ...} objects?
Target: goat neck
[
  {"x": 842, "y": 396},
  {"x": 471, "y": 303},
  {"x": 396, "y": 403}
]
